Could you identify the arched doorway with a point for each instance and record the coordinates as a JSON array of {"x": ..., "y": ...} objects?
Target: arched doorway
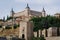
[{"x": 23, "y": 36}]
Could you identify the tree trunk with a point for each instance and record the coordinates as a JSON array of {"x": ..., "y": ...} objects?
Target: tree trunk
[
  {"x": 37, "y": 33},
  {"x": 46, "y": 33},
  {"x": 57, "y": 31}
]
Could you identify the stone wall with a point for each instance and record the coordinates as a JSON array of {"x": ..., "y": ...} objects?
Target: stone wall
[
  {"x": 8, "y": 32},
  {"x": 52, "y": 31}
]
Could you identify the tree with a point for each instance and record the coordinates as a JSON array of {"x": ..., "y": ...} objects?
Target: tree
[
  {"x": 16, "y": 25},
  {"x": 41, "y": 23},
  {"x": 42, "y": 38},
  {"x": 39, "y": 38},
  {"x": 8, "y": 27},
  {"x": 37, "y": 25}
]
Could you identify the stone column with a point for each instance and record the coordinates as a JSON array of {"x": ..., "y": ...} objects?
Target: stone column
[
  {"x": 52, "y": 31},
  {"x": 43, "y": 33}
]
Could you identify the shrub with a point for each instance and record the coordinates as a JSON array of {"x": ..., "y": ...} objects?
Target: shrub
[
  {"x": 8, "y": 27},
  {"x": 0, "y": 26},
  {"x": 40, "y": 38}
]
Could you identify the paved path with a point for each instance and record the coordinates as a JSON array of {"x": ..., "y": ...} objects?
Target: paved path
[{"x": 52, "y": 38}]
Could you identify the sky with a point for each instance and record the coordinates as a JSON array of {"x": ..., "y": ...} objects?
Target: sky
[{"x": 51, "y": 6}]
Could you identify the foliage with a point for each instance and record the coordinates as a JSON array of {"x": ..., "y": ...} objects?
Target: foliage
[
  {"x": 0, "y": 26},
  {"x": 37, "y": 23},
  {"x": 8, "y": 18},
  {"x": 38, "y": 38},
  {"x": 45, "y": 22},
  {"x": 7, "y": 27},
  {"x": 16, "y": 25},
  {"x": 53, "y": 21},
  {"x": 34, "y": 38},
  {"x": 41, "y": 38},
  {"x": 1, "y": 20}
]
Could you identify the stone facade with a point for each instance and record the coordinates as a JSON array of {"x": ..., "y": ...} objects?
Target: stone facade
[
  {"x": 26, "y": 29},
  {"x": 22, "y": 18},
  {"x": 8, "y": 32},
  {"x": 52, "y": 31},
  {"x": 57, "y": 15}
]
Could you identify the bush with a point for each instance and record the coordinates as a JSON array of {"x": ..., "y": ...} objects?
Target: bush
[
  {"x": 8, "y": 27},
  {"x": 40, "y": 38},
  {"x": 0, "y": 26},
  {"x": 15, "y": 26}
]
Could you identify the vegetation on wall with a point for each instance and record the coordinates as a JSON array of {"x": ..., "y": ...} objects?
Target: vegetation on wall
[
  {"x": 38, "y": 38},
  {"x": 8, "y": 27},
  {"x": 41, "y": 23},
  {"x": 16, "y": 25},
  {"x": 8, "y": 18}
]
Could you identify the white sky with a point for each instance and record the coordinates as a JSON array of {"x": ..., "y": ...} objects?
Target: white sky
[{"x": 51, "y": 6}]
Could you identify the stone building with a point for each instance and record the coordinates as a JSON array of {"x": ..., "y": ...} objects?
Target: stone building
[
  {"x": 22, "y": 18},
  {"x": 26, "y": 27},
  {"x": 1, "y": 21},
  {"x": 57, "y": 15}
]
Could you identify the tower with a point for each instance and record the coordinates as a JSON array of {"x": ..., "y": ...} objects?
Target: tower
[
  {"x": 26, "y": 30},
  {"x": 12, "y": 15},
  {"x": 27, "y": 12},
  {"x": 43, "y": 12},
  {"x": 27, "y": 7},
  {"x": 12, "y": 12},
  {"x": 26, "y": 27}
]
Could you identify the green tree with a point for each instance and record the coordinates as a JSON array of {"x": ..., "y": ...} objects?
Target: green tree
[
  {"x": 42, "y": 38},
  {"x": 41, "y": 23},
  {"x": 39, "y": 38},
  {"x": 37, "y": 25}
]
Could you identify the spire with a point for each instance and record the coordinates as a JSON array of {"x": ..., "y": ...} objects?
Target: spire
[
  {"x": 4, "y": 18},
  {"x": 43, "y": 10},
  {"x": 27, "y": 6},
  {"x": 12, "y": 12}
]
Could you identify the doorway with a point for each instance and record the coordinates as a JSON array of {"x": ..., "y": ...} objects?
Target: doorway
[{"x": 23, "y": 36}]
